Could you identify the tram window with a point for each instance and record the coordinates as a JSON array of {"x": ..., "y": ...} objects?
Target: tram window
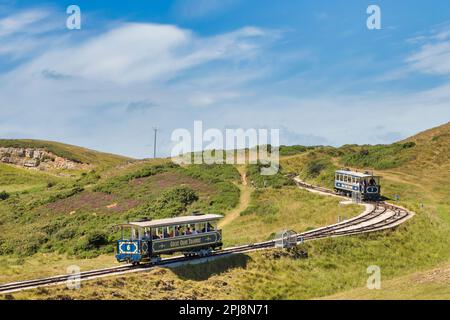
[
  {"x": 146, "y": 233},
  {"x": 170, "y": 231},
  {"x": 166, "y": 232},
  {"x": 188, "y": 230},
  {"x": 210, "y": 226},
  {"x": 126, "y": 233},
  {"x": 202, "y": 227}
]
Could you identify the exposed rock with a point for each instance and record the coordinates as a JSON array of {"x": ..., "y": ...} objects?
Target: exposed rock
[{"x": 38, "y": 159}]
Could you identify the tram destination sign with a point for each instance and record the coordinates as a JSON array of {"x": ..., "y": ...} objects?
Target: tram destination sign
[{"x": 185, "y": 242}]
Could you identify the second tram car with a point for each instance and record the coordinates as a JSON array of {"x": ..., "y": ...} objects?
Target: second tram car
[
  {"x": 365, "y": 185},
  {"x": 146, "y": 241}
]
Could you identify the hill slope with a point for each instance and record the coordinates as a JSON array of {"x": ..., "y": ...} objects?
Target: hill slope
[
  {"x": 66, "y": 151},
  {"x": 416, "y": 169}
]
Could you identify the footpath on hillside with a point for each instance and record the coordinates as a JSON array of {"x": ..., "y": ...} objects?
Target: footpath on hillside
[{"x": 244, "y": 199}]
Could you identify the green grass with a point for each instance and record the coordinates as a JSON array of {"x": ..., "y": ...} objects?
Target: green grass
[
  {"x": 293, "y": 150},
  {"x": 272, "y": 210},
  {"x": 379, "y": 156},
  {"x": 257, "y": 180},
  {"x": 426, "y": 285},
  {"x": 75, "y": 216},
  {"x": 334, "y": 265},
  {"x": 14, "y": 179},
  {"x": 419, "y": 173}
]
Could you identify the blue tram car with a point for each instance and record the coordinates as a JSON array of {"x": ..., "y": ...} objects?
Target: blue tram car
[
  {"x": 146, "y": 241},
  {"x": 365, "y": 185}
]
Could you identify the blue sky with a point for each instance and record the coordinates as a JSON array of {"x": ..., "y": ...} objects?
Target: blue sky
[{"x": 309, "y": 68}]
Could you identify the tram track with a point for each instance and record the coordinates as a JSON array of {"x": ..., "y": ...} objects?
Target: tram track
[{"x": 381, "y": 217}]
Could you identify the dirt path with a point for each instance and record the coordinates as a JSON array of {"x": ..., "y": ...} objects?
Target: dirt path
[{"x": 244, "y": 199}]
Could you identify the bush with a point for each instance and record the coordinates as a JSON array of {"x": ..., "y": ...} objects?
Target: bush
[
  {"x": 408, "y": 145},
  {"x": 63, "y": 195},
  {"x": 291, "y": 150},
  {"x": 314, "y": 168},
  {"x": 277, "y": 180},
  {"x": 50, "y": 184},
  {"x": 378, "y": 156},
  {"x": 4, "y": 195},
  {"x": 184, "y": 195},
  {"x": 212, "y": 172},
  {"x": 116, "y": 183},
  {"x": 93, "y": 240},
  {"x": 172, "y": 202}
]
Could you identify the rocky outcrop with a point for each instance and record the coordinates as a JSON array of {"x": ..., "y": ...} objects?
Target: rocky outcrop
[{"x": 37, "y": 158}]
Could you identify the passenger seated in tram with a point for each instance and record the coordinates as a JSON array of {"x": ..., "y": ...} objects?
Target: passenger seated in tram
[
  {"x": 372, "y": 182},
  {"x": 188, "y": 231},
  {"x": 194, "y": 231},
  {"x": 154, "y": 235}
]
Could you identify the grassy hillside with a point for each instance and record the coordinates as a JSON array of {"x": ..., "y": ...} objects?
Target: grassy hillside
[
  {"x": 274, "y": 209},
  {"x": 429, "y": 285},
  {"x": 75, "y": 215},
  {"x": 14, "y": 179},
  {"x": 333, "y": 266},
  {"x": 417, "y": 169}
]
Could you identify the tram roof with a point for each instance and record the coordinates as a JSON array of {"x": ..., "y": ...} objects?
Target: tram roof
[
  {"x": 355, "y": 173},
  {"x": 174, "y": 221}
]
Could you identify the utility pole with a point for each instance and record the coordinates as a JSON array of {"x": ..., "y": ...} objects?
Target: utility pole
[{"x": 155, "y": 129}]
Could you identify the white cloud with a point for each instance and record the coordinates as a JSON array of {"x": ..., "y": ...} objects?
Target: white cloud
[
  {"x": 433, "y": 56},
  {"x": 143, "y": 52},
  {"x": 25, "y": 21}
]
